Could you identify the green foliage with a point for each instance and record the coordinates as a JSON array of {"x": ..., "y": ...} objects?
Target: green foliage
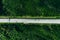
[
  {"x": 29, "y": 31},
  {"x": 32, "y": 7}
]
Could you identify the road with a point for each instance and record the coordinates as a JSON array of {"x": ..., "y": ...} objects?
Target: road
[{"x": 54, "y": 21}]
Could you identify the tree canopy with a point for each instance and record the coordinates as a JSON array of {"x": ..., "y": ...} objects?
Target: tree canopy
[{"x": 18, "y": 31}]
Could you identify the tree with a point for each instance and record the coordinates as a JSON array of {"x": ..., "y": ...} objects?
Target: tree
[{"x": 1, "y": 7}]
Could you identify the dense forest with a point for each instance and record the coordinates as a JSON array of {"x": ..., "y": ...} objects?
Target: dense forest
[
  {"x": 30, "y": 7},
  {"x": 19, "y": 31}
]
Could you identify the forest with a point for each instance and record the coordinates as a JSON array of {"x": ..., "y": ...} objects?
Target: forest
[
  {"x": 32, "y": 8},
  {"x": 20, "y": 31}
]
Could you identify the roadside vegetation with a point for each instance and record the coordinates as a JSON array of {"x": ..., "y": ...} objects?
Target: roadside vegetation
[
  {"x": 19, "y": 31},
  {"x": 32, "y": 7}
]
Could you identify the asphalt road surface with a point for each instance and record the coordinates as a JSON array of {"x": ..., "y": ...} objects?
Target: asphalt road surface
[{"x": 54, "y": 21}]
